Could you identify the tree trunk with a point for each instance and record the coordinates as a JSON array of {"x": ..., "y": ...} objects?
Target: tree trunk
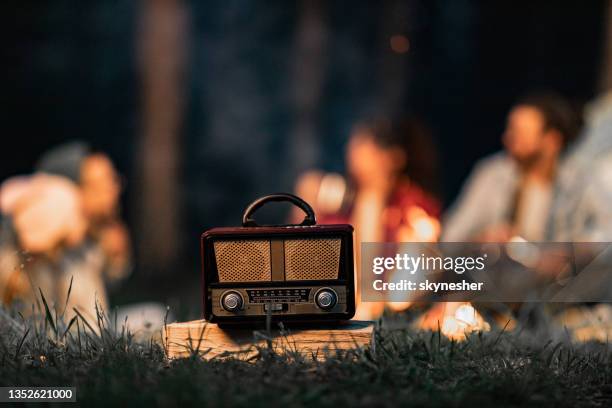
[
  {"x": 162, "y": 51},
  {"x": 308, "y": 76}
]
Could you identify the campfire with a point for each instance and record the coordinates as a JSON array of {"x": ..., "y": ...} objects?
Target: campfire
[{"x": 454, "y": 320}]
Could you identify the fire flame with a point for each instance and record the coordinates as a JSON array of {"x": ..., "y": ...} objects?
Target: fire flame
[{"x": 455, "y": 320}]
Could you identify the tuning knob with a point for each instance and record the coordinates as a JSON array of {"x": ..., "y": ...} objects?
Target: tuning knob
[
  {"x": 326, "y": 298},
  {"x": 232, "y": 301}
]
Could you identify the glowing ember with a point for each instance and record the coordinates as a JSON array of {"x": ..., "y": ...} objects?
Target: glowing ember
[
  {"x": 398, "y": 306},
  {"x": 457, "y": 320},
  {"x": 464, "y": 321},
  {"x": 399, "y": 43},
  {"x": 420, "y": 227}
]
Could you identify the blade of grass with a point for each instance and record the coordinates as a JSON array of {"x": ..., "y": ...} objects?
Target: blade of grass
[
  {"x": 48, "y": 315},
  {"x": 84, "y": 320},
  {"x": 503, "y": 330},
  {"x": 74, "y": 318},
  {"x": 18, "y": 350},
  {"x": 68, "y": 296}
]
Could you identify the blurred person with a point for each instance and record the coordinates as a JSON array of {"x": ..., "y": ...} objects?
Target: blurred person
[
  {"x": 384, "y": 162},
  {"x": 100, "y": 189},
  {"x": 61, "y": 231},
  {"x": 389, "y": 164},
  {"x": 582, "y": 205},
  {"x": 29, "y": 235},
  {"x": 582, "y": 212},
  {"x": 510, "y": 193}
]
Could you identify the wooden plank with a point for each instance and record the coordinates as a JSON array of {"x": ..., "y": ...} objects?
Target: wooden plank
[{"x": 208, "y": 340}]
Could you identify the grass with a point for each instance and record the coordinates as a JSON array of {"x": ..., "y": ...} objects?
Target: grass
[{"x": 108, "y": 366}]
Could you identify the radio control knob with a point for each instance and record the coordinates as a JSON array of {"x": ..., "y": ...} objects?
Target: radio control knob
[
  {"x": 326, "y": 298},
  {"x": 232, "y": 301}
]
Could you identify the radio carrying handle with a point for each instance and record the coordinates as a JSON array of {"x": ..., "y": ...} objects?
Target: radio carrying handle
[{"x": 249, "y": 221}]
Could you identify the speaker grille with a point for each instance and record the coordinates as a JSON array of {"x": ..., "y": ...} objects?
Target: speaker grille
[
  {"x": 310, "y": 259},
  {"x": 243, "y": 261}
]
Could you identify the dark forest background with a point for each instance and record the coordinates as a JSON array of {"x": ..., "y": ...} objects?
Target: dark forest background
[{"x": 204, "y": 106}]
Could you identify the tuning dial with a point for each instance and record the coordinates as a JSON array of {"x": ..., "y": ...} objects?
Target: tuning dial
[
  {"x": 232, "y": 301},
  {"x": 326, "y": 298}
]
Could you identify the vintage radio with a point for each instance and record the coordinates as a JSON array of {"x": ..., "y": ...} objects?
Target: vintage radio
[{"x": 288, "y": 273}]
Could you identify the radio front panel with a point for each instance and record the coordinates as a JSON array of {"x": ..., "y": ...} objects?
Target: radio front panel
[
  {"x": 290, "y": 273},
  {"x": 299, "y": 300}
]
